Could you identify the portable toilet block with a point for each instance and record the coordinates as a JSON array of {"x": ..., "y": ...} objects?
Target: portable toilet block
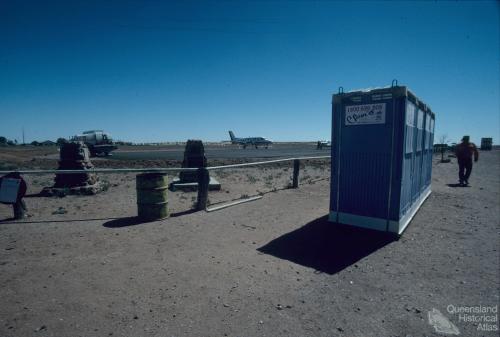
[
  {"x": 382, "y": 148},
  {"x": 486, "y": 144}
]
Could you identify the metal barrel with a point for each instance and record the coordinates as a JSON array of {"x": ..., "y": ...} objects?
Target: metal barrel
[{"x": 152, "y": 202}]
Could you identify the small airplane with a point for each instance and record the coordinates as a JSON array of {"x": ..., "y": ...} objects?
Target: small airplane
[
  {"x": 250, "y": 141},
  {"x": 323, "y": 143}
]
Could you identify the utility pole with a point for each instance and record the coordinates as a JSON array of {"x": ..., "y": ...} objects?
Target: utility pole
[{"x": 23, "y": 135}]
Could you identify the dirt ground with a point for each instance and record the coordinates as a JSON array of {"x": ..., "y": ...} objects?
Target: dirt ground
[{"x": 82, "y": 266}]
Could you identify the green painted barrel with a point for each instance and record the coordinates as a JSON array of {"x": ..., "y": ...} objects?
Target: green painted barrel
[{"x": 152, "y": 202}]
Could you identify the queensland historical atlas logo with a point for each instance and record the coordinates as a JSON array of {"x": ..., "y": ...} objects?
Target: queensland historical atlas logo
[{"x": 484, "y": 317}]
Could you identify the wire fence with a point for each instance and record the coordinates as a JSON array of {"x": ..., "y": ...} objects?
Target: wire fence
[
  {"x": 157, "y": 169},
  {"x": 239, "y": 183}
]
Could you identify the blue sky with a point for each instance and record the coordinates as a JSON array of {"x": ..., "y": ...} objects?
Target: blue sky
[{"x": 151, "y": 71}]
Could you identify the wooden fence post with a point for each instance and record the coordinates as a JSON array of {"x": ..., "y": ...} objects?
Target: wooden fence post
[
  {"x": 296, "y": 169},
  {"x": 203, "y": 181},
  {"x": 19, "y": 209}
]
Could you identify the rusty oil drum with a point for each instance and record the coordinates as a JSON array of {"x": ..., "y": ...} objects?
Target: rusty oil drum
[{"x": 152, "y": 202}]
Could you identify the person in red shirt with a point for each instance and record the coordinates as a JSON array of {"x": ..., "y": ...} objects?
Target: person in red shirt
[{"x": 464, "y": 152}]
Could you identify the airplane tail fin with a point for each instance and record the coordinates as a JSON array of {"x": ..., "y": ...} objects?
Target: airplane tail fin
[{"x": 231, "y": 134}]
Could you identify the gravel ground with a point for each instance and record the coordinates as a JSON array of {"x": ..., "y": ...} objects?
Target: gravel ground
[{"x": 273, "y": 267}]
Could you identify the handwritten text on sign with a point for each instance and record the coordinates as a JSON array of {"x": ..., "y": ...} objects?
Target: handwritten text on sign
[{"x": 365, "y": 114}]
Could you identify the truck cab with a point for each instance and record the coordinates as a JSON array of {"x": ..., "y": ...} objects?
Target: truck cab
[{"x": 99, "y": 142}]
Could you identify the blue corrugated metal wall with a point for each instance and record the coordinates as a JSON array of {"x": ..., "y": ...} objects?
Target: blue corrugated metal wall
[
  {"x": 364, "y": 159},
  {"x": 366, "y": 156}
]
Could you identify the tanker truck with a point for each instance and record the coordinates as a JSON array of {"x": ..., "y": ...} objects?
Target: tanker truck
[{"x": 98, "y": 142}]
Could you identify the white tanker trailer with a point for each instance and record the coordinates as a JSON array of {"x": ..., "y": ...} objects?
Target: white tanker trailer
[{"x": 98, "y": 142}]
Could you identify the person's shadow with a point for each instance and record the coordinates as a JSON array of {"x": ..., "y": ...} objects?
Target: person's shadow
[
  {"x": 325, "y": 246},
  {"x": 456, "y": 185}
]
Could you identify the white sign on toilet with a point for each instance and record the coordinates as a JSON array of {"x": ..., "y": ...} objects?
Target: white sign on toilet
[{"x": 365, "y": 114}]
